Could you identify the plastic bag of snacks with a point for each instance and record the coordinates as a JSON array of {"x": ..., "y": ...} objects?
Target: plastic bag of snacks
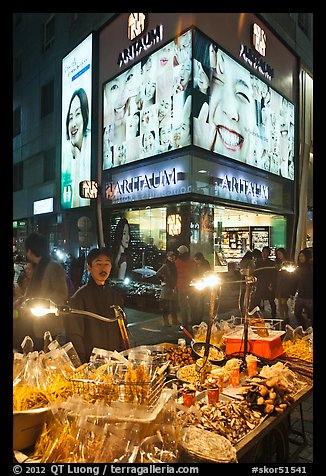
[
  {"x": 80, "y": 433},
  {"x": 298, "y": 344},
  {"x": 200, "y": 332},
  {"x": 162, "y": 445},
  {"x": 42, "y": 379}
]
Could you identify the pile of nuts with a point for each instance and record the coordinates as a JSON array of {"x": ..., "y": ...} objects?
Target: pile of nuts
[{"x": 180, "y": 356}]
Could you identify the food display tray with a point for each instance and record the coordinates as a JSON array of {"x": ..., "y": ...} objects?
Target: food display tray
[
  {"x": 267, "y": 347},
  {"x": 118, "y": 389}
]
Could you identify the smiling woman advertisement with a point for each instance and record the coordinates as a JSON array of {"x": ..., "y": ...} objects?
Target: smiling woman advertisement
[
  {"x": 76, "y": 123},
  {"x": 122, "y": 257},
  {"x": 241, "y": 117},
  {"x": 77, "y": 134}
]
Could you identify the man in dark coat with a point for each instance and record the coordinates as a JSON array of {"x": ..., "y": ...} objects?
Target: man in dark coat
[
  {"x": 96, "y": 296},
  {"x": 265, "y": 272}
]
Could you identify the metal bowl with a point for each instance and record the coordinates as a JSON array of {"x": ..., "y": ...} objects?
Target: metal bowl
[{"x": 198, "y": 349}]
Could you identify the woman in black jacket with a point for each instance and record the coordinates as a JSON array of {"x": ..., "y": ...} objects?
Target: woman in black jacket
[
  {"x": 303, "y": 278},
  {"x": 284, "y": 284},
  {"x": 167, "y": 273}
]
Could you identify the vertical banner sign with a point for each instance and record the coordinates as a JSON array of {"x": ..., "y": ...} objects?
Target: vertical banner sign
[{"x": 76, "y": 123}]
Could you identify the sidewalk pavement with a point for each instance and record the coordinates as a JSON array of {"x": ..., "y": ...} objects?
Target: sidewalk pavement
[{"x": 146, "y": 328}]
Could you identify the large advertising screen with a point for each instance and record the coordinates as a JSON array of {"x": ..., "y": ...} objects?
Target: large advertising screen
[
  {"x": 237, "y": 115},
  {"x": 76, "y": 123},
  {"x": 147, "y": 109}
]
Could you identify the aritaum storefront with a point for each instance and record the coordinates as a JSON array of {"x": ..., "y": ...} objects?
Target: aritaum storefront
[{"x": 197, "y": 134}]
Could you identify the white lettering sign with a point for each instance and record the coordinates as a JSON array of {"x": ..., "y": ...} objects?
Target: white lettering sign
[
  {"x": 151, "y": 38},
  {"x": 259, "y": 64},
  {"x": 139, "y": 183},
  {"x": 245, "y": 187}
]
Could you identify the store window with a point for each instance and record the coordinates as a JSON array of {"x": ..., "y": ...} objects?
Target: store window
[
  {"x": 147, "y": 235},
  {"x": 49, "y": 28},
  {"x": 47, "y": 98},
  {"x": 237, "y": 231},
  {"x": 223, "y": 234}
]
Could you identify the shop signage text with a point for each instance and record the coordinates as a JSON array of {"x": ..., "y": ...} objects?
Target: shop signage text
[
  {"x": 143, "y": 182},
  {"x": 245, "y": 187},
  {"x": 151, "y": 38},
  {"x": 255, "y": 62}
]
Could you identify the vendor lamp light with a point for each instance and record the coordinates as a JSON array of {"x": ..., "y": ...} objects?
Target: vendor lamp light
[
  {"x": 213, "y": 281},
  {"x": 288, "y": 266},
  {"x": 43, "y": 307}
]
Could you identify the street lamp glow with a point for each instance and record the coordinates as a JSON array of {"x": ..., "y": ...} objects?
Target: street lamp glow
[
  {"x": 40, "y": 307},
  {"x": 208, "y": 280},
  {"x": 39, "y": 311},
  {"x": 289, "y": 267}
]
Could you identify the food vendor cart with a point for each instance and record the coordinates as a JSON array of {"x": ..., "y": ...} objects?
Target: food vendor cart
[{"x": 153, "y": 404}]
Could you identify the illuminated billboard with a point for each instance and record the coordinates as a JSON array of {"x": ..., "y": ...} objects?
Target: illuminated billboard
[
  {"x": 190, "y": 92},
  {"x": 238, "y": 115},
  {"x": 76, "y": 123},
  {"x": 147, "y": 108}
]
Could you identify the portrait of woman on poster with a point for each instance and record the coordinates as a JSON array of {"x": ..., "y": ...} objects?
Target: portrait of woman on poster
[
  {"x": 122, "y": 258},
  {"x": 118, "y": 96},
  {"x": 133, "y": 126},
  {"x": 165, "y": 136},
  {"x": 78, "y": 154},
  {"x": 148, "y": 95},
  {"x": 182, "y": 76},
  {"x": 164, "y": 111},
  {"x": 148, "y": 143},
  {"x": 201, "y": 77},
  {"x": 228, "y": 124}
]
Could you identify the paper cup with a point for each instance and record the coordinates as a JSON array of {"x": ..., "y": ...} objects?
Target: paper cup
[
  {"x": 252, "y": 368},
  {"x": 235, "y": 377},
  {"x": 213, "y": 395},
  {"x": 189, "y": 399}
]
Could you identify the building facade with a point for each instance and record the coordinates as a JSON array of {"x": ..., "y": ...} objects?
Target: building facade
[{"x": 195, "y": 136}]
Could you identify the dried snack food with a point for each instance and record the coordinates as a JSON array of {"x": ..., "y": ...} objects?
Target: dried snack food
[{"x": 207, "y": 445}]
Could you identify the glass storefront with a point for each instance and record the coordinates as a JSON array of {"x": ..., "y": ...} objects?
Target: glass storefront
[{"x": 208, "y": 228}]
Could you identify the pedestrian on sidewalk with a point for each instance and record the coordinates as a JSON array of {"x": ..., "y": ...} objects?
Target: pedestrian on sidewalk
[
  {"x": 167, "y": 273},
  {"x": 200, "y": 299},
  {"x": 265, "y": 273},
  {"x": 284, "y": 284},
  {"x": 246, "y": 267},
  {"x": 186, "y": 272},
  {"x": 48, "y": 281},
  {"x": 303, "y": 287}
]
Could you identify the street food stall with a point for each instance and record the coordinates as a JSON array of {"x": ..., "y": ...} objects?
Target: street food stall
[{"x": 165, "y": 403}]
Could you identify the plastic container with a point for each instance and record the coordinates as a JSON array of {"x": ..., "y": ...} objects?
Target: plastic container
[
  {"x": 268, "y": 348},
  {"x": 72, "y": 354},
  {"x": 27, "y": 426}
]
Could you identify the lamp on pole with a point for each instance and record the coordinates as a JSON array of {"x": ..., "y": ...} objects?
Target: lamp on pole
[
  {"x": 42, "y": 307},
  {"x": 213, "y": 281}
]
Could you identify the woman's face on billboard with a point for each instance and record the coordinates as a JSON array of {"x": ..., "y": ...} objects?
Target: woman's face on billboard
[
  {"x": 76, "y": 125},
  {"x": 148, "y": 141},
  {"x": 232, "y": 107},
  {"x": 120, "y": 91},
  {"x": 165, "y": 56},
  {"x": 164, "y": 109},
  {"x": 125, "y": 236}
]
